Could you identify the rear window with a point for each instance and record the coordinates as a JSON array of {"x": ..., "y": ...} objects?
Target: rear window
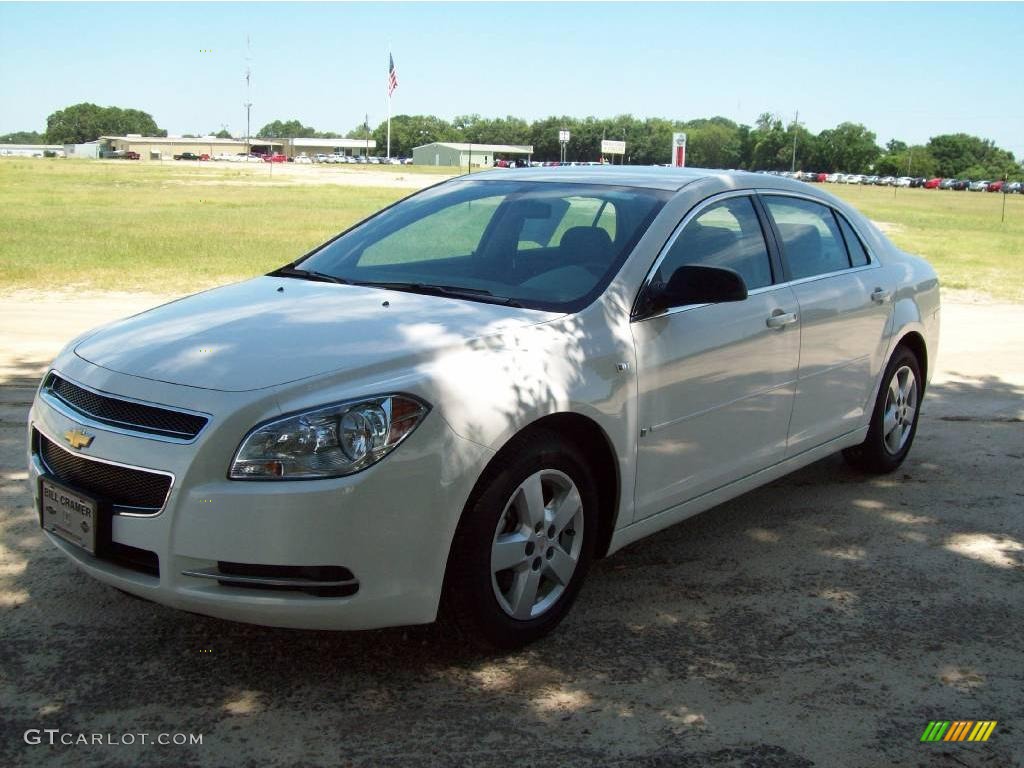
[
  {"x": 858, "y": 255},
  {"x": 811, "y": 240}
]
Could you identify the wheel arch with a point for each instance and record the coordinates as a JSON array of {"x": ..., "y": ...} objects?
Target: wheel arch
[
  {"x": 915, "y": 342},
  {"x": 594, "y": 443}
]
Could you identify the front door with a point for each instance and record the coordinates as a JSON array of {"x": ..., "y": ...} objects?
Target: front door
[{"x": 716, "y": 381}]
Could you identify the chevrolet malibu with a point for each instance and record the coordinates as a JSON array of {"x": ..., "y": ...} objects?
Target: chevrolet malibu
[{"x": 453, "y": 407}]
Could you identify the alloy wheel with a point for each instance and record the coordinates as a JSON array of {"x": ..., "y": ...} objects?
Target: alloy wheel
[
  {"x": 537, "y": 544},
  {"x": 900, "y": 409}
]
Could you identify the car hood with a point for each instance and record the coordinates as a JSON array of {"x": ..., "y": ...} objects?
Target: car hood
[{"x": 270, "y": 330}]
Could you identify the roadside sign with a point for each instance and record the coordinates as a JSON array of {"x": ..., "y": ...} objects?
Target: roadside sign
[
  {"x": 678, "y": 150},
  {"x": 563, "y": 137},
  {"x": 609, "y": 147}
]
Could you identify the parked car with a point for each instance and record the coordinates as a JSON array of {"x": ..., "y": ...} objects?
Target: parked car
[
  {"x": 994, "y": 186},
  {"x": 832, "y": 178},
  {"x": 903, "y": 181},
  {"x": 188, "y": 156},
  {"x": 1014, "y": 187},
  {"x": 887, "y": 181},
  {"x": 932, "y": 183},
  {"x": 303, "y": 159},
  {"x": 947, "y": 183},
  {"x": 275, "y": 158},
  {"x": 961, "y": 184},
  {"x": 918, "y": 181},
  {"x": 325, "y": 465},
  {"x": 979, "y": 186}
]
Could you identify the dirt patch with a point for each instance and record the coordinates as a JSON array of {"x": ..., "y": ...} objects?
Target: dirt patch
[{"x": 888, "y": 227}]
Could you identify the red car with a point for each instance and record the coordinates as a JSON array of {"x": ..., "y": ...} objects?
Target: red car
[
  {"x": 932, "y": 183},
  {"x": 995, "y": 186},
  {"x": 278, "y": 158}
]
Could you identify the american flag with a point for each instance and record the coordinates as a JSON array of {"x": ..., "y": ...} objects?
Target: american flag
[{"x": 392, "y": 75}]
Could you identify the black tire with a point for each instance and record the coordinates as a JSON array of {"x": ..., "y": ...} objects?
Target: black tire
[
  {"x": 469, "y": 600},
  {"x": 874, "y": 455}
]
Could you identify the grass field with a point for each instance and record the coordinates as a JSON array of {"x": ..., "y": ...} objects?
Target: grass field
[
  {"x": 960, "y": 233},
  {"x": 173, "y": 228}
]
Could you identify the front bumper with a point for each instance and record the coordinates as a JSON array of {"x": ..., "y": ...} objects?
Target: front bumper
[{"x": 390, "y": 526}]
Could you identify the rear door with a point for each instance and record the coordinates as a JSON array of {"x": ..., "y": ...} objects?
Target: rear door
[
  {"x": 716, "y": 381},
  {"x": 845, "y": 307}
]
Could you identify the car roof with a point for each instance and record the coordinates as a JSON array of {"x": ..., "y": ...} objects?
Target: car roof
[{"x": 650, "y": 177}]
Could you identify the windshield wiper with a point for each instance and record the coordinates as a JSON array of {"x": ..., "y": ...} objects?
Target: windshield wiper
[
  {"x": 308, "y": 274},
  {"x": 433, "y": 289}
]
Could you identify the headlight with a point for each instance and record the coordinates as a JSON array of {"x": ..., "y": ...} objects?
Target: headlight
[{"x": 327, "y": 442}]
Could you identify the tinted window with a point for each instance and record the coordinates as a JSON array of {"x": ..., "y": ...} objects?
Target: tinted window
[
  {"x": 543, "y": 245},
  {"x": 726, "y": 234},
  {"x": 858, "y": 256},
  {"x": 811, "y": 240}
]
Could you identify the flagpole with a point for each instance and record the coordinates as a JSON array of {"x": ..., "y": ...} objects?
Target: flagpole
[{"x": 389, "y": 102}]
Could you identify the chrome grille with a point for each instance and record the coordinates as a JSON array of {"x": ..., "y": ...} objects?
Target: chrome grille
[
  {"x": 121, "y": 486},
  {"x": 126, "y": 414}
]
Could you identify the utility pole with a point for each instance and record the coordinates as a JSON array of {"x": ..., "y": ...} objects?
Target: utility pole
[
  {"x": 248, "y": 97},
  {"x": 796, "y": 124}
]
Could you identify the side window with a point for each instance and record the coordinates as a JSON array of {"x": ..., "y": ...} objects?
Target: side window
[
  {"x": 726, "y": 234},
  {"x": 858, "y": 256},
  {"x": 811, "y": 241}
]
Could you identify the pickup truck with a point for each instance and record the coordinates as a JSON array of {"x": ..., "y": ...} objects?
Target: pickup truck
[{"x": 191, "y": 156}]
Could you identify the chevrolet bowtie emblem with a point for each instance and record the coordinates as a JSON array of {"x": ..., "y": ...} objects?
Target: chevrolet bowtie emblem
[{"x": 78, "y": 439}]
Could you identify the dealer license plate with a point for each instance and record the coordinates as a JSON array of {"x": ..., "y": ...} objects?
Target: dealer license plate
[{"x": 70, "y": 515}]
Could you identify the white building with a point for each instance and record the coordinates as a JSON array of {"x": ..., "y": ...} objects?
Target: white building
[{"x": 30, "y": 150}]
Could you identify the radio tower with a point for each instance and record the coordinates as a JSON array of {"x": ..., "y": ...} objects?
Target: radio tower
[{"x": 248, "y": 94}]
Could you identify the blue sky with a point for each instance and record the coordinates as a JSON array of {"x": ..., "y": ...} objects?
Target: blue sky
[{"x": 905, "y": 70}]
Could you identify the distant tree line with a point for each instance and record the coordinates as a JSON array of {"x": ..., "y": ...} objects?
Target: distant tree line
[{"x": 715, "y": 142}]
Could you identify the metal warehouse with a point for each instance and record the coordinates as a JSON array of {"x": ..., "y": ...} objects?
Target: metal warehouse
[
  {"x": 165, "y": 148},
  {"x": 450, "y": 153}
]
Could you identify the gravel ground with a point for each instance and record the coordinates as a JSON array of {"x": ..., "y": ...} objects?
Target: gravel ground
[{"x": 820, "y": 621}]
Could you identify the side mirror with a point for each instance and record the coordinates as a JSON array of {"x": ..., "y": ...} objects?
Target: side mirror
[{"x": 692, "y": 284}]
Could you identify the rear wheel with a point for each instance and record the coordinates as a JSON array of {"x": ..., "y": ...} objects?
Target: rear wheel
[
  {"x": 524, "y": 543},
  {"x": 894, "y": 418}
]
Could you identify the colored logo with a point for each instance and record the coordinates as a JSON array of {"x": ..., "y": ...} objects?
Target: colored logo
[
  {"x": 958, "y": 730},
  {"x": 78, "y": 439}
]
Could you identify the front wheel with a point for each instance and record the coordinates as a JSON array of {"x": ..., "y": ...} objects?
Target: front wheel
[
  {"x": 524, "y": 543},
  {"x": 894, "y": 418}
]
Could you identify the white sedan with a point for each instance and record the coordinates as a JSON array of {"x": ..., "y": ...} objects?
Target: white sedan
[{"x": 458, "y": 404}]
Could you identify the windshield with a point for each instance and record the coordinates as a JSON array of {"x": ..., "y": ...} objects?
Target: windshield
[{"x": 540, "y": 245}]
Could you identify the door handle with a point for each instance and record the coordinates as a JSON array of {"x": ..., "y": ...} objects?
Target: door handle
[
  {"x": 780, "y": 319},
  {"x": 881, "y": 296}
]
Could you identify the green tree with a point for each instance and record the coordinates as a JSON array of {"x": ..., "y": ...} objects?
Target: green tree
[
  {"x": 22, "y": 137},
  {"x": 849, "y": 148},
  {"x": 223, "y": 133},
  {"x": 911, "y": 161},
  {"x": 84, "y": 122},
  {"x": 963, "y": 155},
  {"x": 287, "y": 129},
  {"x": 408, "y": 131}
]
